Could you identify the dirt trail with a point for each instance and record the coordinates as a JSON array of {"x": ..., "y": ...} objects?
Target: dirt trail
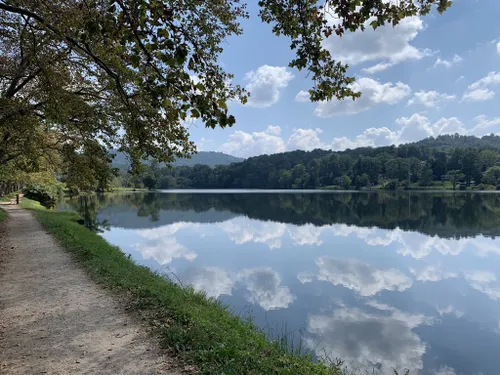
[{"x": 55, "y": 320}]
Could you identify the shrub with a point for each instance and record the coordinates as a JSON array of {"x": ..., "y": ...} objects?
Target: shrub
[{"x": 44, "y": 193}]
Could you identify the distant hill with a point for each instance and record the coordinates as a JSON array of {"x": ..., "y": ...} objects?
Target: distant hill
[
  {"x": 446, "y": 142},
  {"x": 210, "y": 158}
]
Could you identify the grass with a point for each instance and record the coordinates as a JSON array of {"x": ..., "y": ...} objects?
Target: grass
[
  {"x": 3, "y": 215},
  {"x": 8, "y": 197},
  {"x": 198, "y": 329}
]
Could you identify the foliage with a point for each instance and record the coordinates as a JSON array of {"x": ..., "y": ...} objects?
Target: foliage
[
  {"x": 47, "y": 195},
  {"x": 492, "y": 175},
  {"x": 406, "y": 166},
  {"x": 200, "y": 330},
  {"x": 81, "y": 78}
]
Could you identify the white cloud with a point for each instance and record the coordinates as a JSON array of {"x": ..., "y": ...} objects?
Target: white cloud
[
  {"x": 265, "y": 84},
  {"x": 478, "y": 95},
  {"x": 383, "y": 338},
  {"x": 498, "y": 48},
  {"x": 432, "y": 273},
  {"x": 244, "y": 144},
  {"x": 371, "y": 137},
  {"x": 459, "y": 79},
  {"x": 481, "y": 89},
  {"x": 380, "y": 67},
  {"x": 307, "y": 234},
  {"x": 448, "y": 63},
  {"x": 265, "y": 288},
  {"x": 161, "y": 244},
  {"x": 241, "y": 231},
  {"x": 449, "y": 310},
  {"x": 373, "y": 93},
  {"x": 212, "y": 280},
  {"x": 493, "y": 78},
  {"x": 303, "y": 97},
  {"x": 305, "y": 139},
  {"x": 390, "y": 45},
  {"x": 361, "y": 277},
  {"x": 485, "y": 125},
  {"x": 431, "y": 99},
  {"x": 444, "y": 370},
  {"x": 412, "y": 129},
  {"x": 483, "y": 281}
]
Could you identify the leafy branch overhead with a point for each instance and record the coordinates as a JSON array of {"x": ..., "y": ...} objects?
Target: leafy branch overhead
[{"x": 78, "y": 78}]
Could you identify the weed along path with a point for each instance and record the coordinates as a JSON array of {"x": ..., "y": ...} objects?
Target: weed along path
[{"x": 55, "y": 320}]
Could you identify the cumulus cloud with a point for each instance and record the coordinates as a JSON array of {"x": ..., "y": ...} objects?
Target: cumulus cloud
[
  {"x": 444, "y": 370},
  {"x": 161, "y": 245},
  {"x": 498, "y": 48},
  {"x": 478, "y": 95},
  {"x": 241, "y": 231},
  {"x": 361, "y": 277},
  {"x": 305, "y": 139},
  {"x": 264, "y": 286},
  {"x": 484, "y": 282},
  {"x": 383, "y": 338},
  {"x": 481, "y": 89},
  {"x": 388, "y": 45},
  {"x": 412, "y": 129},
  {"x": 373, "y": 93},
  {"x": 485, "y": 125},
  {"x": 431, "y": 99},
  {"x": 245, "y": 144},
  {"x": 270, "y": 141},
  {"x": 213, "y": 281},
  {"x": 303, "y": 97},
  {"x": 380, "y": 67},
  {"x": 432, "y": 273},
  {"x": 307, "y": 234},
  {"x": 449, "y": 310},
  {"x": 418, "y": 245},
  {"x": 264, "y": 85},
  {"x": 448, "y": 63}
]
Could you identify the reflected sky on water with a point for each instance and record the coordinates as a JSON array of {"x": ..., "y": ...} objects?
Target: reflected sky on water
[{"x": 380, "y": 280}]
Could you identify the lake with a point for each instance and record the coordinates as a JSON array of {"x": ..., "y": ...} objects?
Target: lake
[{"x": 380, "y": 280}]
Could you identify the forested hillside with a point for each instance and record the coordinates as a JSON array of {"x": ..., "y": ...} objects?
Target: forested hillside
[{"x": 451, "y": 161}]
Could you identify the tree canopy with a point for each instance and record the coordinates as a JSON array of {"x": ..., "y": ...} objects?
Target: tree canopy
[{"x": 78, "y": 78}]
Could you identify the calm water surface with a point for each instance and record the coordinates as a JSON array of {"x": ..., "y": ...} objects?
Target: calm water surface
[{"x": 379, "y": 280}]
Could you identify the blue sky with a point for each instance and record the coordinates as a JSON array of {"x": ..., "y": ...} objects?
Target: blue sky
[{"x": 434, "y": 75}]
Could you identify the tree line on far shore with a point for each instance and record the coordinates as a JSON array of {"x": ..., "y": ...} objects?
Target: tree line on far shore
[{"x": 449, "y": 161}]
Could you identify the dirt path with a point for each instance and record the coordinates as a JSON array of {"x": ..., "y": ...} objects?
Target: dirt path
[{"x": 55, "y": 320}]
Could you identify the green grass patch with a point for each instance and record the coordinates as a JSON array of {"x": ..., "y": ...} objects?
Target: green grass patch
[
  {"x": 3, "y": 215},
  {"x": 198, "y": 329},
  {"x": 8, "y": 197}
]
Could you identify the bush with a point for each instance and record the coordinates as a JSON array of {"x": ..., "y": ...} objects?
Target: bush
[{"x": 45, "y": 194}]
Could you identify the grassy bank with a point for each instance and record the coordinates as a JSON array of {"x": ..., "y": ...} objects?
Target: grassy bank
[
  {"x": 3, "y": 215},
  {"x": 199, "y": 330}
]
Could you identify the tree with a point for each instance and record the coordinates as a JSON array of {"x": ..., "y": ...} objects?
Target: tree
[
  {"x": 76, "y": 76},
  {"x": 426, "y": 177},
  {"x": 471, "y": 166},
  {"x": 343, "y": 181},
  {"x": 492, "y": 176},
  {"x": 455, "y": 176},
  {"x": 487, "y": 159},
  {"x": 151, "y": 182}
]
